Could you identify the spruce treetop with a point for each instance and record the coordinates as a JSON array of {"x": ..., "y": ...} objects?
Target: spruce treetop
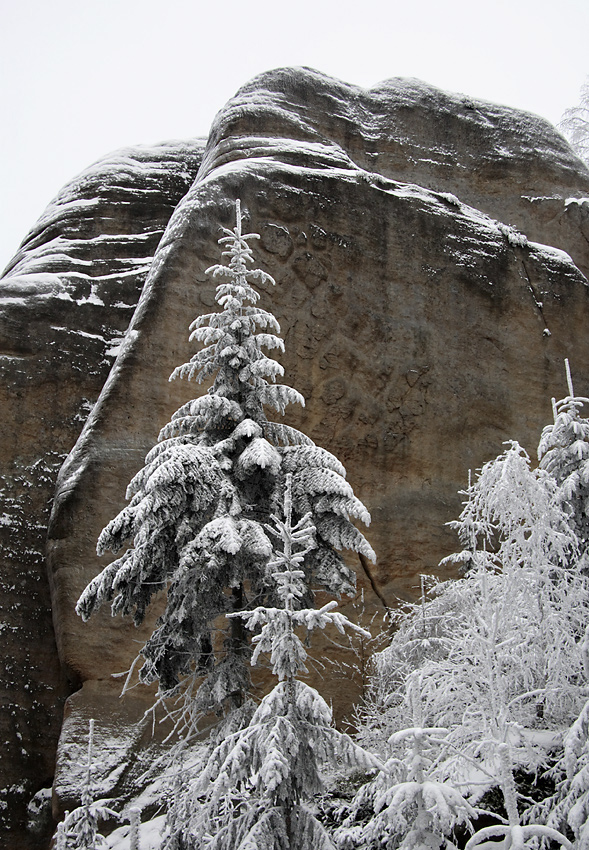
[{"x": 232, "y": 344}]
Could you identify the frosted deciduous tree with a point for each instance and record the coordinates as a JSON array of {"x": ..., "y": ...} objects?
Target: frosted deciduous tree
[
  {"x": 575, "y": 124},
  {"x": 199, "y": 508},
  {"x": 496, "y": 656},
  {"x": 255, "y": 789},
  {"x": 513, "y": 620}
]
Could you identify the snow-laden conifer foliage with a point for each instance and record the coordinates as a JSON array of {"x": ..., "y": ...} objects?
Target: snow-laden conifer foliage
[
  {"x": 255, "y": 789},
  {"x": 564, "y": 452},
  {"x": 198, "y": 508}
]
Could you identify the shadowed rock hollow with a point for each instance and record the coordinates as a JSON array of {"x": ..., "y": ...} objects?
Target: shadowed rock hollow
[{"x": 430, "y": 254}]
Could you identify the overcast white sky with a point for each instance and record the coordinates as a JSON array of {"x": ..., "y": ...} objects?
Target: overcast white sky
[{"x": 79, "y": 78}]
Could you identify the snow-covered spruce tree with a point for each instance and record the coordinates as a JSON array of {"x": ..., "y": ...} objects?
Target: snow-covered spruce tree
[
  {"x": 199, "y": 506},
  {"x": 255, "y": 789}
]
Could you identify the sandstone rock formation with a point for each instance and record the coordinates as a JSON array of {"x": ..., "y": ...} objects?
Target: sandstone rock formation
[
  {"x": 65, "y": 303},
  {"x": 431, "y": 255}
]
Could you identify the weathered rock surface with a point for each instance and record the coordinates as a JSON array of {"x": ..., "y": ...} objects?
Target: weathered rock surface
[
  {"x": 65, "y": 304},
  {"x": 418, "y": 241}
]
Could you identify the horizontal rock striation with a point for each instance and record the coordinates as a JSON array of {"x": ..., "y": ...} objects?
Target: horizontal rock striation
[
  {"x": 430, "y": 253},
  {"x": 65, "y": 303}
]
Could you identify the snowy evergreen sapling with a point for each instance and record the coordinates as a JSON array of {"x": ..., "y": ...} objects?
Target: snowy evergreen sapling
[
  {"x": 79, "y": 828},
  {"x": 199, "y": 507},
  {"x": 563, "y": 451},
  {"x": 413, "y": 809},
  {"x": 255, "y": 789}
]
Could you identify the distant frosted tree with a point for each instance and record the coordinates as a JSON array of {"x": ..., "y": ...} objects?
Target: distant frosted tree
[
  {"x": 575, "y": 124},
  {"x": 255, "y": 789},
  {"x": 199, "y": 508}
]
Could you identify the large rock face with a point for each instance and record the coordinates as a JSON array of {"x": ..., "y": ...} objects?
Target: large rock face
[
  {"x": 430, "y": 253},
  {"x": 65, "y": 304}
]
